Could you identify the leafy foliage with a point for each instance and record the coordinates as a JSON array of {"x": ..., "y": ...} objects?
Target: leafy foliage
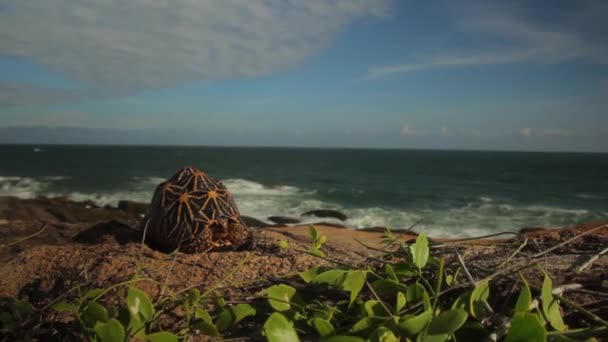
[{"x": 402, "y": 300}]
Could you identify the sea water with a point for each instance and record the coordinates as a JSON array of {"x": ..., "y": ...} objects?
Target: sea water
[{"x": 453, "y": 193}]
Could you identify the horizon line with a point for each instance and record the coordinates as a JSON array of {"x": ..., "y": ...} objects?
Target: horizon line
[{"x": 253, "y": 146}]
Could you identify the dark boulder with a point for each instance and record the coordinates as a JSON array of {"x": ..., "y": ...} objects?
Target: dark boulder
[
  {"x": 135, "y": 208},
  {"x": 283, "y": 220},
  {"x": 253, "y": 222},
  {"x": 327, "y": 213}
]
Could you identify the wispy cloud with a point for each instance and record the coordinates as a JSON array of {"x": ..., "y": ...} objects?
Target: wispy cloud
[
  {"x": 520, "y": 39},
  {"x": 17, "y": 94},
  {"x": 133, "y": 45}
]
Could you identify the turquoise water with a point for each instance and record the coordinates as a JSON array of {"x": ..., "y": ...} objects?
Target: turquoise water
[{"x": 459, "y": 193}]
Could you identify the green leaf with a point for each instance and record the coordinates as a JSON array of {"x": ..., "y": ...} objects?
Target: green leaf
[
  {"x": 478, "y": 297},
  {"x": 331, "y": 277},
  {"x": 526, "y": 327},
  {"x": 323, "y": 327},
  {"x": 110, "y": 331},
  {"x": 343, "y": 338},
  {"x": 462, "y": 302},
  {"x": 447, "y": 322},
  {"x": 375, "y": 308},
  {"x": 283, "y": 244},
  {"x": 401, "y": 300},
  {"x": 94, "y": 293},
  {"x": 420, "y": 251},
  {"x": 555, "y": 317},
  {"x": 219, "y": 301},
  {"x": 546, "y": 294},
  {"x": 241, "y": 311},
  {"x": 64, "y": 307},
  {"x": 278, "y": 329},
  {"x": 279, "y": 296},
  {"x": 203, "y": 314},
  {"x": 224, "y": 320},
  {"x": 471, "y": 331},
  {"x": 194, "y": 295},
  {"x": 449, "y": 279},
  {"x": 137, "y": 327},
  {"x": 416, "y": 293},
  {"x": 162, "y": 336},
  {"x": 383, "y": 334},
  {"x": 390, "y": 272},
  {"x": 524, "y": 301},
  {"x": 436, "y": 338},
  {"x": 206, "y": 328},
  {"x": 95, "y": 312},
  {"x": 309, "y": 275},
  {"x": 317, "y": 252},
  {"x": 365, "y": 324},
  {"x": 354, "y": 282},
  {"x": 412, "y": 325},
  {"x": 550, "y": 306},
  {"x": 314, "y": 234},
  {"x": 405, "y": 269},
  {"x": 139, "y": 304},
  {"x": 388, "y": 287}
]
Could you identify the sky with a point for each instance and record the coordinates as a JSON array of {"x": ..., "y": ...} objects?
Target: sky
[{"x": 491, "y": 75}]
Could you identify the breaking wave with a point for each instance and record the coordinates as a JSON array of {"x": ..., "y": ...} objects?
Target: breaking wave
[{"x": 481, "y": 216}]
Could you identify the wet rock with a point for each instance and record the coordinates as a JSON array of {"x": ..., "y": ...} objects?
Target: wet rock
[
  {"x": 327, "y": 213},
  {"x": 253, "y": 222},
  {"x": 283, "y": 220}
]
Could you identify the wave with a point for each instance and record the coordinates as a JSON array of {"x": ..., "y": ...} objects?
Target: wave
[
  {"x": 241, "y": 187},
  {"x": 23, "y": 187},
  {"x": 482, "y": 216},
  {"x": 590, "y": 197}
]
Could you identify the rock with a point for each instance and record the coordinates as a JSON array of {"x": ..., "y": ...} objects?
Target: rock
[
  {"x": 135, "y": 208},
  {"x": 119, "y": 231},
  {"x": 283, "y": 220},
  {"x": 253, "y": 222},
  {"x": 57, "y": 210},
  {"x": 327, "y": 213},
  {"x": 62, "y": 214}
]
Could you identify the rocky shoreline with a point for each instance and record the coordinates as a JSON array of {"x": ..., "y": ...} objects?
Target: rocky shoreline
[{"x": 50, "y": 245}]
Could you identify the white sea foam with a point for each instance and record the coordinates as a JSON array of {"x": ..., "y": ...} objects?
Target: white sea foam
[
  {"x": 247, "y": 187},
  {"x": 154, "y": 181},
  {"x": 254, "y": 199},
  {"x": 590, "y": 196},
  {"x": 23, "y": 187},
  {"x": 111, "y": 199}
]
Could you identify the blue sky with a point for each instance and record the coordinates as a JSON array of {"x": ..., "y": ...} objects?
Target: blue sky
[{"x": 505, "y": 75}]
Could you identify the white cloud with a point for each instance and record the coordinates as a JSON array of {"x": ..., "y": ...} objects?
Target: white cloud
[
  {"x": 16, "y": 94},
  {"x": 526, "y": 132},
  {"x": 142, "y": 44},
  {"x": 520, "y": 40}
]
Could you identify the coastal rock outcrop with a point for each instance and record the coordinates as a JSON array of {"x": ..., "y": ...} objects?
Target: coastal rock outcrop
[
  {"x": 327, "y": 213},
  {"x": 283, "y": 220},
  {"x": 132, "y": 207}
]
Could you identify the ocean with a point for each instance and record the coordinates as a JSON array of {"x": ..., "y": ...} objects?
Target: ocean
[{"x": 448, "y": 193}]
